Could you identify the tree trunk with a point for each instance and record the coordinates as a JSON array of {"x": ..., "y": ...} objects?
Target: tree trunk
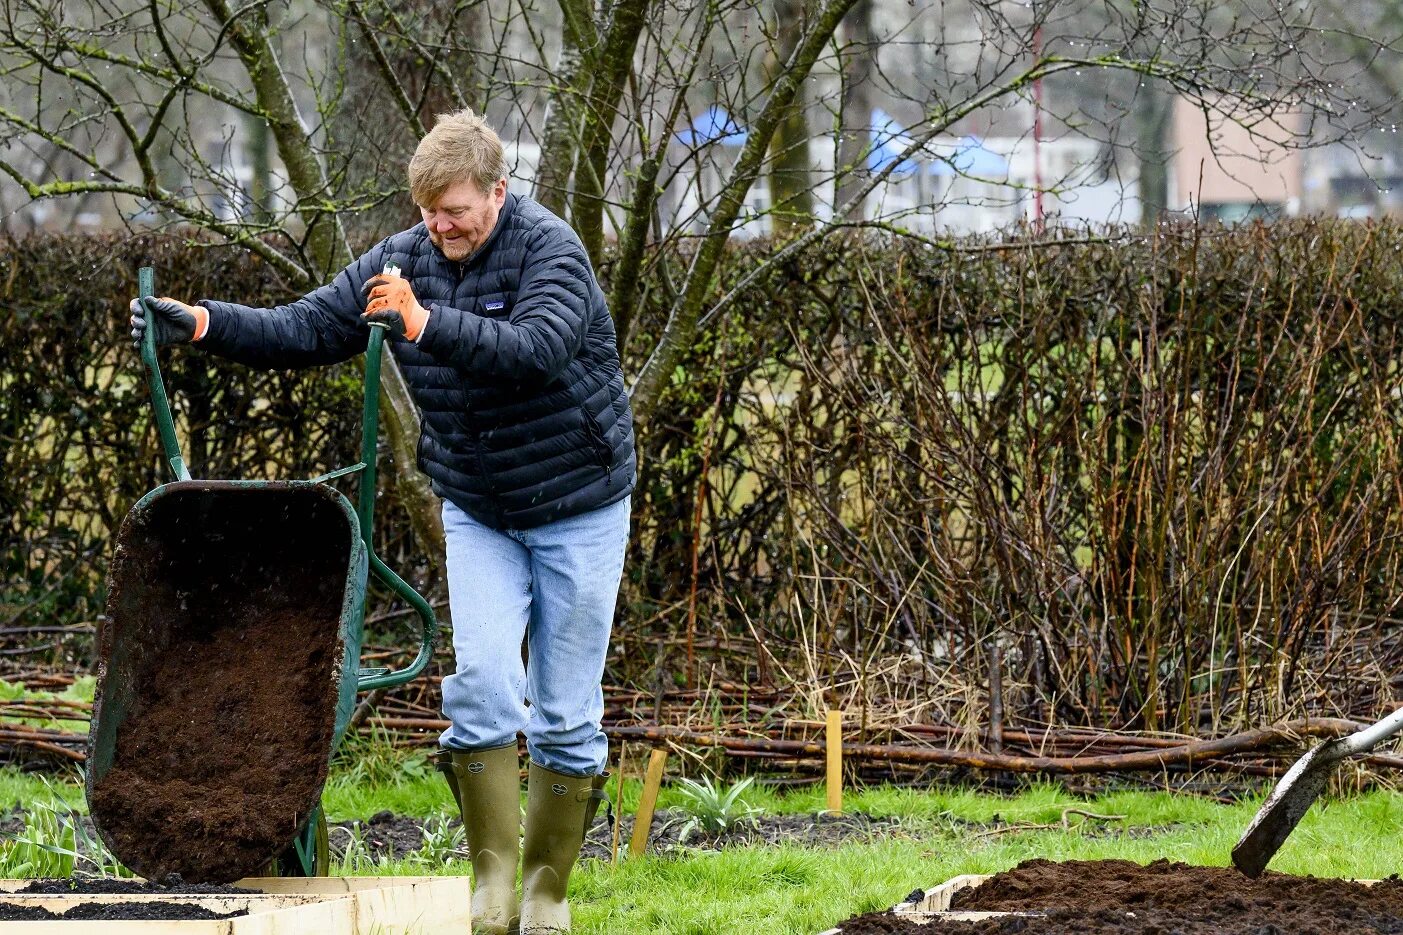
[
  {"x": 681, "y": 326},
  {"x": 261, "y": 184},
  {"x": 791, "y": 176},
  {"x": 561, "y": 137},
  {"x": 608, "y": 76},
  {"x": 859, "y": 65},
  {"x": 329, "y": 252},
  {"x": 1154, "y": 112}
]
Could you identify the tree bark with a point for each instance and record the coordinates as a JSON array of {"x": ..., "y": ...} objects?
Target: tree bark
[
  {"x": 606, "y": 88},
  {"x": 858, "y": 67},
  {"x": 1154, "y": 112},
  {"x": 329, "y": 251},
  {"x": 326, "y": 241},
  {"x": 681, "y": 325},
  {"x": 791, "y": 175},
  {"x": 561, "y": 138}
]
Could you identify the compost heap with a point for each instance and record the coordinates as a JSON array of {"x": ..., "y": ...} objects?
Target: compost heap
[
  {"x": 232, "y": 604},
  {"x": 1118, "y": 897}
]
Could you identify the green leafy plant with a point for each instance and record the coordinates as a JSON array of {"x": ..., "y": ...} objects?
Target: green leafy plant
[
  {"x": 45, "y": 848},
  {"x": 371, "y": 758},
  {"x": 713, "y": 809},
  {"x": 354, "y": 857},
  {"x": 444, "y": 840},
  {"x": 56, "y": 842}
]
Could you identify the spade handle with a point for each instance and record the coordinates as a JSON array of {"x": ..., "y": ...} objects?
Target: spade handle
[{"x": 1369, "y": 737}]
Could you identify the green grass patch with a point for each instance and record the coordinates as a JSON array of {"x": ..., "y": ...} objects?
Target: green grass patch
[
  {"x": 22, "y": 790},
  {"x": 789, "y": 889},
  {"x": 803, "y": 891}
]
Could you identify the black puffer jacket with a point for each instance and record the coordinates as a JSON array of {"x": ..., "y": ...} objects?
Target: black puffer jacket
[{"x": 517, "y": 378}]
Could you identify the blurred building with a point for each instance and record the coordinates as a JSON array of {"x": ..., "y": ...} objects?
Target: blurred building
[{"x": 1222, "y": 170}]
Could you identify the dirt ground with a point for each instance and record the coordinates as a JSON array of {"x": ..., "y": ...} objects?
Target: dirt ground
[
  {"x": 112, "y": 912},
  {"x": 397, "y": 836},
  {"x": 1117, "y": 897},
  {"x": 171, "y": 886}
]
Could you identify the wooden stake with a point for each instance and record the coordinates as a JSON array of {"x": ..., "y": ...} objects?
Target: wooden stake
[
  {"x": 643, "y": 820},
  {"x": 618, "y": 806},
  {"x": 996, "y": 697},
  {"x": 835, "y": 761}
]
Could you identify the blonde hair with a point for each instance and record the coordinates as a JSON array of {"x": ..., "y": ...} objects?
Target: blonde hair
[{"x": 460, "y": 146}]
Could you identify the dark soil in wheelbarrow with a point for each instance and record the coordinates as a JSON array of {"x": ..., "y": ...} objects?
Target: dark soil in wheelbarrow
[
  {"x": 1117, "y": 897},
  {"x": 226, "y": 606},
  {"x": 113, "y": 912}
]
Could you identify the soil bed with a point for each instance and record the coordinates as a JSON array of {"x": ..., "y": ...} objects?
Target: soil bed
[
  {"x": 397, "y": 836},
  {"x": 1118, "y": 897},
  {"x": 224, "y": 608},
  {"x": 173, "y": 885},
  {"x": 113, "y": 912}
]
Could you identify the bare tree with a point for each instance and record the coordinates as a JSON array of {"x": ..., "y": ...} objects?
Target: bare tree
[{"x": 282, "y": 127}]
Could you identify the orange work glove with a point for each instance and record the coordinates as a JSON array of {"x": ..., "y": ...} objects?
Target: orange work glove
[{"x": 392, "y": 301}]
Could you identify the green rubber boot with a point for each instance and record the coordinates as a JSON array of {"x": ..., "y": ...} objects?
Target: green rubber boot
[
  {"x": 557, "y": 807},
  {"x": 487, "y": 787}
]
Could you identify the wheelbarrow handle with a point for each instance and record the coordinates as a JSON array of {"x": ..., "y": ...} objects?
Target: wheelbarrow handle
[
  {"x": 365, "y": 511},
  {"x": 165, "y": 424},
  {"x": 370, "y": 428}
]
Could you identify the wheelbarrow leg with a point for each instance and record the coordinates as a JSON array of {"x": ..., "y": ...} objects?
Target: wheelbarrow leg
[{"x": 309, "y": 854}]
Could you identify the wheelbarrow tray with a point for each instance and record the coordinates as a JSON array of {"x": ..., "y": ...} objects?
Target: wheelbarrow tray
[{"x": 229, "y": 671}]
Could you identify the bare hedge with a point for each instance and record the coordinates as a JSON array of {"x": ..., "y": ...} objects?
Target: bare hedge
[{"x": 1155, "y": 481}]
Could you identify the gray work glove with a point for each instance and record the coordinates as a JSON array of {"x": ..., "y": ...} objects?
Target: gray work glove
[{"x": 175, "y": 322}]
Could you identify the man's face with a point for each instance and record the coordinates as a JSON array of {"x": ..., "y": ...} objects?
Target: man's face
[{"x": 463, "y": 216}]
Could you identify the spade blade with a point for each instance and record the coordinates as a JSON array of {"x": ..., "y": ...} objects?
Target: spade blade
[{"x": 1286, "y": 806}]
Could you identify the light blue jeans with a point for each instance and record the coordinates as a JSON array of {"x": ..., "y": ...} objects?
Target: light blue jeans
[{"x": 557, "y": 585}]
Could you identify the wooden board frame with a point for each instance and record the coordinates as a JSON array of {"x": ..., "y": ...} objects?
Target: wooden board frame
[
  {"x": 934, "y": 903},
  {"x": 286, "y": 906}
]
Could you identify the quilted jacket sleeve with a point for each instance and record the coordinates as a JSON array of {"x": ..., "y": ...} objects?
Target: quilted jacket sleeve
[
  {"x": 323, "y": 327},
  {"x": 545, "y": 329}
]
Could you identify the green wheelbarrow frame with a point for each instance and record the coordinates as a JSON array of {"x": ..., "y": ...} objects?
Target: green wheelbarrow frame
[{"x": 306, "y": 851}]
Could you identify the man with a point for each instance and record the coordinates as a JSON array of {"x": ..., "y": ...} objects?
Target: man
[{"x": 503, "y": 336}]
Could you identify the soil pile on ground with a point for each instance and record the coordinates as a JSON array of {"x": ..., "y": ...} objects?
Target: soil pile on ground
[
  {"x": 669, "y": 832},
  {"x": 1123, "y": 884},
  {"x": 1118, "y": 897},
  {"x": 113, "y": 912},
  {"x": 390, "y": 836},
  {"x": 224, "y": 610}
]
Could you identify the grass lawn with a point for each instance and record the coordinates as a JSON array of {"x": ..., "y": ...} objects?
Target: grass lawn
[{"x": 789, "y": 889}]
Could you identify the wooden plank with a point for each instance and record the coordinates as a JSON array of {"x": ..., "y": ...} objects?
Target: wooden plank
[
  {"x": 643, "y": 821},
  {"x": 389, "y": 905},
  {"x": 189, "y": 927},
  {"x": 288, "y": 906},
  {"x": 618, "y": 807},
  {"x": 938, "y": 898},
  {"x": 325, "y": 917},
  {"x": 834, "y": 734},
  {"x": 329, "y": 886},
  {"x": 423, "y": 908}
]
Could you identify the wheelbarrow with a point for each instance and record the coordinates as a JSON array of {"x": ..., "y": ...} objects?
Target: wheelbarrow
[{"x": 229, "y": 660}]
